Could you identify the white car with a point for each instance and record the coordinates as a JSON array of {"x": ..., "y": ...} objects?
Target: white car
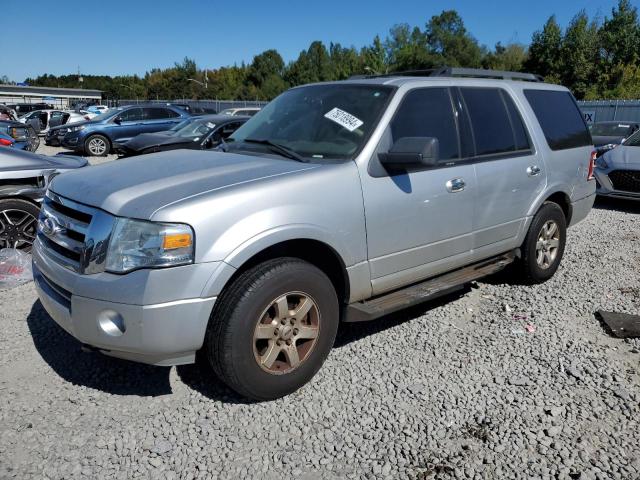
[
  {"x": 247, "y": 111},
  {"x": 46, "y": 119},
  {"x": 97, "y": 109}
]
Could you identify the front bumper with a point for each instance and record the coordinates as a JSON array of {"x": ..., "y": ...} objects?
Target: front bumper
[
  {"x": 135, "y": 324},
  {"x": 72, "y": 141},
  {"x": 605, "y": 187}
]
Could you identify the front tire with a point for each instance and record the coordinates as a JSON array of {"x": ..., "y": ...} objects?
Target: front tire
[
  {"x": 544, "y": 244},
  {"x": 273, "y": 328},
  {"x": 18, "y": 223},
  {"x": 97, "y": 146}
]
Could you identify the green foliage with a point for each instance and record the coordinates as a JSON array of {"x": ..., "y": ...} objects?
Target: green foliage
[{"x": 595, "y": 59}]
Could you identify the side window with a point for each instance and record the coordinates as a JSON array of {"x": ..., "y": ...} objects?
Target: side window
[
  {"x": 519, "y": 130},
  {"x": 427, "y": 112},
  {"x": 560, "y": 118},
  {"x": 131, "y": 115},
  {"x": 156, "y": 113},
  {"x": 489, "y": 120}
]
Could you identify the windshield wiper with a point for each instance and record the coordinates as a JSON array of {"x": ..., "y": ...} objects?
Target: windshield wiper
[{"x": 276, "y": 147}]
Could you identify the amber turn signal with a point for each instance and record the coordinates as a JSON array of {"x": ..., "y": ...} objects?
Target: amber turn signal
[{"x": 176, "y": 240}]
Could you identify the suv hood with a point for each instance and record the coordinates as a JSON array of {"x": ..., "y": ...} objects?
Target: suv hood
[
  {"x": 138, "y": 187},
  {"x": 623, "y": 157}
]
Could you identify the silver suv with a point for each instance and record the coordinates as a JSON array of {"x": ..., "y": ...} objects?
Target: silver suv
[{"x": 340, "y": 201}]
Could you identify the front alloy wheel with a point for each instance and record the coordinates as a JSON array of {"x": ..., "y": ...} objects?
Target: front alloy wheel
[
  {"x": 18, "y": 224},
  {"x": 286, "y": 333}
]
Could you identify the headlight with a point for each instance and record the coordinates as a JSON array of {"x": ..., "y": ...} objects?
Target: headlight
[
  {"x": 76, "y": 129},
  {"x": 139, "y": 244}
]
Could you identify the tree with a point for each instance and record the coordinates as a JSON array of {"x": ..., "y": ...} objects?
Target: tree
[
  {"x": 620, "y": 36},
  {"x": 579, "y": 55},
  {"x": 545, "y": 51},
  {"x": 266, "y": 74},
  {"x": 510, "y": 57},
  {"x": 373, "y": 58},
  {"x": 450, "y": 43},
  {"x": 407, "y": 49}
]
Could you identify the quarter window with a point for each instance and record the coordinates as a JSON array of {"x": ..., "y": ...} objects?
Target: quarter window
[
  {"x": 560, "y": 118},
  {"x": 428, "y": 112}
]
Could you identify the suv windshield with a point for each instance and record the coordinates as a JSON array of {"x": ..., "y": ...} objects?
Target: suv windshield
[
  {"x": 611, "y": 129},
  {"x": 319, "y": 121}
]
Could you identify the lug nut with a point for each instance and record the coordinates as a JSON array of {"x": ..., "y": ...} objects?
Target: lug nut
[{"x": 295, "y": 331}]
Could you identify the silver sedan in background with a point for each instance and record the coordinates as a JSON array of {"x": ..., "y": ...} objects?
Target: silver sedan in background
[{"x": 617, "y": 172}]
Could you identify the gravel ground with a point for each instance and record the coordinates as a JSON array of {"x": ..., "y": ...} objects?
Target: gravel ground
[
  {"x": 46, "y": 150},
  {"x": 501, "y": 381}
]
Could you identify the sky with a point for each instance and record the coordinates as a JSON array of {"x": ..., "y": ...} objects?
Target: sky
[{"x": 115, "y": 37}]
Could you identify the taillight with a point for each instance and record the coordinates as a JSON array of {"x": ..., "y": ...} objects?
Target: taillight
[
  {"x": 592, "y": 165},
  {"x": 5, "y": 142}
]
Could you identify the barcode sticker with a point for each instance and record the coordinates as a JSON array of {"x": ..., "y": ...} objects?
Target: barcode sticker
[{"x": 344, "y": 119}]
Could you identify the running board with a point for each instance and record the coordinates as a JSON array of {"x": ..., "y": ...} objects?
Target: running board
[{"x": 428, "y": 290}]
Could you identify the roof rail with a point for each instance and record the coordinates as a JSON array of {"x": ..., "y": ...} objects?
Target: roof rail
[{"x": 459, "y": 72}]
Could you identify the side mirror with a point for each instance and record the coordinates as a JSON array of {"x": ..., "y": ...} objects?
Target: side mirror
[
  {"x": 117, "y": 120},
  {"x": 409, "y": 152}
]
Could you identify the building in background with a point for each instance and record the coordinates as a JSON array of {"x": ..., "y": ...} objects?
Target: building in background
[{"x": 58, "y": 97}]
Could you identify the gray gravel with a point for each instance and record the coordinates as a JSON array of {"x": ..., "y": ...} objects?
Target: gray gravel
[
  {"x": 46, "y": 150},
  {"x": 458, "y": 389}
]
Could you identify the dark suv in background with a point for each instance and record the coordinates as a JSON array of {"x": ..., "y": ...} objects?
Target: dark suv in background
[{"x": 97, "y": 136}]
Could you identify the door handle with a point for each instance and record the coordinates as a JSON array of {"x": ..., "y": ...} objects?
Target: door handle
[
  {"x": 455, "y": 185},
  {"x": 533, "y": 170}
]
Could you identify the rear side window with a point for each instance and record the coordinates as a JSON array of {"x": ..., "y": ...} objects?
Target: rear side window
[
  {"x": 560, "y": 118},
  {"x": 496, "y": 123},
  {"x": 427, "y": 112},
  {"x": 159, "y": 113}
]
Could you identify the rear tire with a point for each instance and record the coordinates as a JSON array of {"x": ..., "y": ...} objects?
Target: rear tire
[
  {"x": 544, "y": 244},
  {"x": 97, "y": 146},
  {"x": 273, "y": 328}
]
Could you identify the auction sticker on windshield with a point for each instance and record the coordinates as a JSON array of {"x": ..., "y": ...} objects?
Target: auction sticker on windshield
[{"x": 344, "y": 119}]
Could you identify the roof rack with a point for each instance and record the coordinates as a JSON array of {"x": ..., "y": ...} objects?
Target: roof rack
[{"x": 460, "y": 72}]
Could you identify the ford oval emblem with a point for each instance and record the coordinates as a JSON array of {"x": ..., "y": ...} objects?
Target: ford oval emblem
[{"x": 50, "y": 227}]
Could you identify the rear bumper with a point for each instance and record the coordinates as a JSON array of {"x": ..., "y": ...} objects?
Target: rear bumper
[
  {"x": 581, "y": 208},
  {"x": 167, "y": 333}
]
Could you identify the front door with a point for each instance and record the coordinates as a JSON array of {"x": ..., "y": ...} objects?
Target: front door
[
  {"x": 419, "y": 222},
  {"x": 127, "y": 126}
]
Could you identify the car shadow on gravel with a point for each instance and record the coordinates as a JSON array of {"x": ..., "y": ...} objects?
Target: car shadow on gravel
[
  {"x": 617, "y": 204},
  {"x": 351, "y": 332},
  {"x": 64, "y": 355}
]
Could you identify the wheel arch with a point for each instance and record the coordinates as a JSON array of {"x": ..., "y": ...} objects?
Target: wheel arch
[
  {"x": 556, "y": 195},
  {"x": 318, "y": 253}
]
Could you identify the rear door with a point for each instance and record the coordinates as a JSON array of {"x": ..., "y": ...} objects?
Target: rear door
[
  {"x": 510, "y": 174},
  {"x": 159, "y": 119},
  {"x": 419, "y": 222}
]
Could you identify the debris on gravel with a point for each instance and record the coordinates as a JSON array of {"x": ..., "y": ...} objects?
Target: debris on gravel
[{"x": 446, "y": 390}]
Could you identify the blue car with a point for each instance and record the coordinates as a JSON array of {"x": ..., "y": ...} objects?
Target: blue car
[{"x": 97, "y": 136}]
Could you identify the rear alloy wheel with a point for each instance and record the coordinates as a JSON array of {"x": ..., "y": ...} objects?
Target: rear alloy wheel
[
  {"x": 543, "y": 247},
  {"x": 96, "y": 145},
  {"x": 272, "y": 328},
  {"x": 18, "y": 224}
]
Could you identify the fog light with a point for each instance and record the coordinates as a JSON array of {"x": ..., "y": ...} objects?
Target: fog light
[{"x": 111, "y": 323}]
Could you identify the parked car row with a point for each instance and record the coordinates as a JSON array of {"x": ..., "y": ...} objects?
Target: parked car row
[{"x": 115, "y": 131}]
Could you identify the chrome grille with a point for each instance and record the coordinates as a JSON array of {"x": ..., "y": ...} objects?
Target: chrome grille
[{"x": 72, "y": 234}]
